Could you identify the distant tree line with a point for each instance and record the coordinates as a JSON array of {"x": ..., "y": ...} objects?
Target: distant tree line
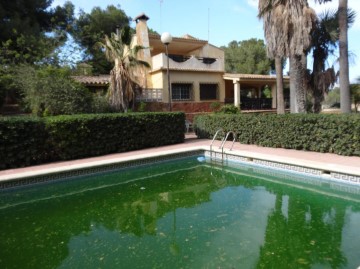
[
  {"x": 293, "y": 30},
  {"x": 36, "y": 44},
  {"x": 42, "y": 37}
]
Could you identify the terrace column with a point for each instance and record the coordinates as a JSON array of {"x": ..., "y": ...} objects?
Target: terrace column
[{"x": 236, "y": 92}]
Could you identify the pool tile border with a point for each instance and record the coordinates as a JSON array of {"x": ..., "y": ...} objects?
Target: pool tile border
[
  {"x": 330, "y": 175},
  {"x": 95, "y": 169}
]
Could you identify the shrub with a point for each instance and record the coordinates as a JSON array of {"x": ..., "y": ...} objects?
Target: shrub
[
  {"x": 91, "y": 135},
  {"x": 142, "y": 107},
  {"x": 215, "y": 106},
  {"x": 30, "y": 140},
  {"x": 338, "y": 134},
  {"x": 7, "y": 84},
  {"x": 50, "y": 91},
  {"x": 2, "y": 95},
  {"x": 23, "y": 141},
  {"x": 100, "y": 104},
  {"x": 229, "y": 109}
]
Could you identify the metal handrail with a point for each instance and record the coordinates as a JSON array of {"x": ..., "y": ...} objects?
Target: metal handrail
[
  {"x": 223, "y": 141},
  {"x": 215, "y": 135},
  {"x": 226, "y": 137}
]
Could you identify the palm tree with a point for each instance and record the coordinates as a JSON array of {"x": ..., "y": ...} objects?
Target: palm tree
[
  {"x": 302, "y": 21},
  {"x": 293, "y": 32},
  {"x": 275, "y": 45},
  {"x": 345, "y": 101},
  {"x": 122, "y": 77},
  {"x": 355, "y": 94},
  {"x": 324, "y": 41}
]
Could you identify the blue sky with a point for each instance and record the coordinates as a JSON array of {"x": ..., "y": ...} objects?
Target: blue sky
[{"x": 219, "y": 21}]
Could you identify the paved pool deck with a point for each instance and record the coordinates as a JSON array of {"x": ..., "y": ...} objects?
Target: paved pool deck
[{"x": 322, "y": 161}]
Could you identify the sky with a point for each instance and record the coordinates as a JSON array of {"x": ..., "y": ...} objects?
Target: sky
[{"x": 218, "y": 21}]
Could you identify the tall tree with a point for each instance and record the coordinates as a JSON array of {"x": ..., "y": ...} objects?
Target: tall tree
[
  {"x": 302, "y": 20},
  {"x": 345, "y": 100},
  {"x": 122, "y": 77},
  {"x": 355, "y": 94},
  {"x": 294, "y": 29},
  {"x": 91, "y": 28},
  {"x": 325, "y": 39},
  {"x": 25, "y": 28},
  {"x": 247, "y": 57},
  {"x": 276, "y": 45}
]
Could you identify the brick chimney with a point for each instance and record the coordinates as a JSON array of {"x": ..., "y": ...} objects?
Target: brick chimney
[{"x": 142, "y": 35}]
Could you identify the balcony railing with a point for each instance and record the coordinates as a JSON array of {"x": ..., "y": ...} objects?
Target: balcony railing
[
  {"x": 149, "y": 95},
  {"x": 181, "y": 62},
  {"x": 252, "y": 103}
]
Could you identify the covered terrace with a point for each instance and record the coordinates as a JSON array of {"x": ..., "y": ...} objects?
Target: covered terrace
[{"x": 249, "y": 91}]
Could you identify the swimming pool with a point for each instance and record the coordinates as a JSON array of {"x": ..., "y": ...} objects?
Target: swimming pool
[{"x": 186, "y": 213}]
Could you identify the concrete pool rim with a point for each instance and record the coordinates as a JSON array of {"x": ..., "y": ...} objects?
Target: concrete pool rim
[{"x": 332, "y": 172}]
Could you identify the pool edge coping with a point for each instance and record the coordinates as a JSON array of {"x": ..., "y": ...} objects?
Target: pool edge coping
[
  {"x": 345, "y": 176},
  {"x": 92, "y": 164}
]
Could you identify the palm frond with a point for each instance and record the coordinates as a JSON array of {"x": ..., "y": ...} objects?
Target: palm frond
[
  {"x": 123, "y": 78},
  {"x": 135, "y": 50},
  {"x": 351, "y": 17},
  {"x": 134, "y": 62},
  {"x": 322, "y": 1}
]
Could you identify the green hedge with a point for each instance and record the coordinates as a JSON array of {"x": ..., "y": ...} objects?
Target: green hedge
[
  {"x": 26, "y": 141},
  {"x": 338, "y": 134},
  {"x": 22, "y": 141}
]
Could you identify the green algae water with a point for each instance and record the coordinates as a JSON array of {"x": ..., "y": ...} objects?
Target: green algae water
[{"x": 181, "y": 214}]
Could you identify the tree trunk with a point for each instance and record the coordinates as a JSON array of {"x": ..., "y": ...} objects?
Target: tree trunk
[
  {"x": 304, "y": 83},
  {"x": 279, "y": 86},
  {"x": 317, "y": 99},
  {"x": 297, "y": 84},
  {"x": 345, "y": 100},
  {"x": 317, "y": 94},
  {"x": 292, "y": 85}
]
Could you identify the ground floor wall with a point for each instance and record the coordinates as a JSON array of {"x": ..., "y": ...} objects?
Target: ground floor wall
[
  {"x": 195, "y": 78},
  {"x": 191, "y": 109}
]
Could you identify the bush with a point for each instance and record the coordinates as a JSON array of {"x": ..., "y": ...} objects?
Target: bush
[
  {"x": 100, "y": 104},
  {"x": 229, "y": 109},
  {"x": 91, "y": 135},
  {"x": 338, "y": 134},
  {"x": 7, "y": 84},
  {"x": 215, "y": 106},
  {"x": 141, "y": 107},
  {"x": 22, "y": 141},
  {"x": 50, "y": 91},
  {"x": 2, "y": 95},
  {"x": 27, "y": 140}
]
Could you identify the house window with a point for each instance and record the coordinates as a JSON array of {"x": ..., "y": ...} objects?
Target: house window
[
  {"x": 181, "y": 91},
  {"x": 208, "y": 91}
]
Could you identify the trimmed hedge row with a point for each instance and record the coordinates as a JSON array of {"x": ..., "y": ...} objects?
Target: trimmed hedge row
[
  {"x": 22, "y": 141},
  {"x": 338, "y": 134},
  {"x": 26, "y": 141}
]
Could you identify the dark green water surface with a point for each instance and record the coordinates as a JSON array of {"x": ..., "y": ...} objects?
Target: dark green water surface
[{"x": 181, "y": 214}]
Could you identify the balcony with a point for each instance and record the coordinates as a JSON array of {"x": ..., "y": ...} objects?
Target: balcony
[
  {"x": 185, "y": 63},
  {"x": 252, "y": 103}
]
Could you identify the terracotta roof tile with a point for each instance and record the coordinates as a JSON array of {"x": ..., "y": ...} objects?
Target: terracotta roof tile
[
  {"x": 186, "y": 69},
  {"x": 251, "y": 76},
  {"x": 186, "y": 37},
  {"x": 101, "y": 80}
]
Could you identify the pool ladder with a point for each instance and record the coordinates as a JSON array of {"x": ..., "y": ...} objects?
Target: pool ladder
[{"x": 223, "y": 141}]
